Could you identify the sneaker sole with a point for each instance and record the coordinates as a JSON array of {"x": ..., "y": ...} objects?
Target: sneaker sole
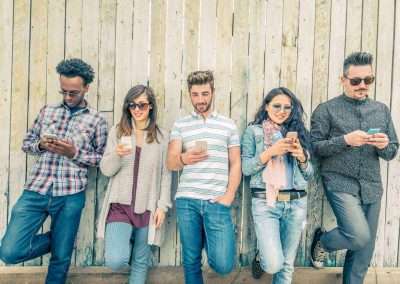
[{"x": 317, "y": 264}]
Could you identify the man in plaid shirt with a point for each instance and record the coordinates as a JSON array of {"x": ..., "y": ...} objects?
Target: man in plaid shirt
[{"x": 67, "y": 138}]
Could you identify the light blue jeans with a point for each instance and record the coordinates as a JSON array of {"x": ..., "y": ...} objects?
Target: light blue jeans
[
  {"x": 278, "y": 230},
  {"x": 119, "y": 250},
  {"x": 205, "y": 224}
]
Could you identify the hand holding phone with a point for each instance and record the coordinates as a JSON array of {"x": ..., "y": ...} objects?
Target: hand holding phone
[
  {"x": 373, "y": 131},
  {"x": 292, "y": 135},
  {"x": 201, "y": 146},
  {"x": 49, "y": 138}
]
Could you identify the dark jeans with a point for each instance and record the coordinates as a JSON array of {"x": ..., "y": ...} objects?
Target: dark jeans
[
  {"x": 21, "y": 241},
  {"x": 356, "y": 232},
  {"x": 209, "y": 225}
]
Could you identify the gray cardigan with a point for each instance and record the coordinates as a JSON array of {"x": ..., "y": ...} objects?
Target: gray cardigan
[{"x": 153, "y": 182}]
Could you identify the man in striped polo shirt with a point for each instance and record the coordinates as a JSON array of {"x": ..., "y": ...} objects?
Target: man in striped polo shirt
[{"x": 206, "y": 147}]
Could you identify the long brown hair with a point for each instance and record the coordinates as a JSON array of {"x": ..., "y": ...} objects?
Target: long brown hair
[{"x": 124, "y": 127}]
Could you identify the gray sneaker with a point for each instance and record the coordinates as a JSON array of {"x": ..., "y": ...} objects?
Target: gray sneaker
[{"x": 318, "y": 254}]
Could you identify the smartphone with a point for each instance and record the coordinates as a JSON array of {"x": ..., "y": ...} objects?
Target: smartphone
[
  {"x": 126, "y": 141},
  {"x": 201, "y": 146},
  {"x": 292, "y": 135},
  {"x": 50, "y": 137},
  {"x": 373, "y": 131}
]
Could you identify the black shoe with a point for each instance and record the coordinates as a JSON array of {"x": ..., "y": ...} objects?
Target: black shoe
[
  {"x": 318, "y": 254},
  {"x": 256, "y": 270}
]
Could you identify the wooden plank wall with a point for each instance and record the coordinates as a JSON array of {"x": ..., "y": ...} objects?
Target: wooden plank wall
[{"x": 252, "y": 46}]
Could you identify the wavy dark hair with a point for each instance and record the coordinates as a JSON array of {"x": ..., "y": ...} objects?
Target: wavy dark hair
[
  {"x": 76, "y": 67},
  {"x": 295, "y": 121},
  {"x": 124, "y": 127}
]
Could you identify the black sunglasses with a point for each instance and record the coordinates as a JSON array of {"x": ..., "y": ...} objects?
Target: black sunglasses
[
  {"x": 140, "y": 106},
  {"x": 279, "y": 107},
  {"x": 357, "y": 81}
]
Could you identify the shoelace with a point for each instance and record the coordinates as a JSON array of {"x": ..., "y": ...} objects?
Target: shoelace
[{"x": 320, "y": 252}]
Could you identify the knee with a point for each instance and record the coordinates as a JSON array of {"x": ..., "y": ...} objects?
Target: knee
[
  {"x": 360, "y": 240},
  {"x": 9, "y": 255},
  {"x": 272, "y": 268},
  {"x": 116, "y": 263},
  {"x": 223, "y": 267}
]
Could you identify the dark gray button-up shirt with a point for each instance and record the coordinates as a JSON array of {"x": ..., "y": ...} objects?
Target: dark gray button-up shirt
[{"x": 355, "y": 170}]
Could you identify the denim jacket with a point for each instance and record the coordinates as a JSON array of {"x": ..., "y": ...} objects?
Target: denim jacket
[{"x": 252, "y": 146}]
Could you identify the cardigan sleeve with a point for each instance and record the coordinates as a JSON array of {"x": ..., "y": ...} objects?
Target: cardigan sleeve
[
  {"x": 165, "y": 195},
  {"x": 110, "y": 164}
]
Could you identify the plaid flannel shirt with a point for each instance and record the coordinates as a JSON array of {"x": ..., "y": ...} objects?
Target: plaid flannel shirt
[{"x": 87, "y": 130}]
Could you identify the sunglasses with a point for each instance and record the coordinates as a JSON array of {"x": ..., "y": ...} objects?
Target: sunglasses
[
  {"x": 140, "y": 106},
  {"x": 357, "y": 81},
  {"x": 279, "y": 107},
  {"x": 72, "y": 94}
]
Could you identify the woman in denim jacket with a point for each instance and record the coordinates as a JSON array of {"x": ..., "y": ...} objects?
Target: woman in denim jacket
[{"x": 275, "y": 154}]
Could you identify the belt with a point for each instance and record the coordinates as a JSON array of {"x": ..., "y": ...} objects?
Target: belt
[{"x": 282, "y": 196}]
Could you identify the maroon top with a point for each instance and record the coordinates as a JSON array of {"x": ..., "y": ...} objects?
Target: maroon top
[{"x": 126, "y": 213}]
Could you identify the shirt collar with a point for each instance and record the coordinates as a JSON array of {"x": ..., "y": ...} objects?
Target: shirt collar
[
  {"x": 212, "y": 114},
  {"x": 355, "y": 101}
]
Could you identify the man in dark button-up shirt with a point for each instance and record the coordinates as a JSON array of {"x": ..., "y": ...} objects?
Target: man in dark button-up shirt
[{"x": 349, "y": 134}]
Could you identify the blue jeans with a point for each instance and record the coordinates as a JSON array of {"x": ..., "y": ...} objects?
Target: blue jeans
[
  {"x": 278, "y": 230},
  {"x": 205, "y": 224},
  {"x": 356, "y": 232},
  {"x": 21, "y": 241},
  {"x": 119, "y": 250}
]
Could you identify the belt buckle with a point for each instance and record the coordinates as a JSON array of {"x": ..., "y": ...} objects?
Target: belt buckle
[{"x": 284, "y": 197}]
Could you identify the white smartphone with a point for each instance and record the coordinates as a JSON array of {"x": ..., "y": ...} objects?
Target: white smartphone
[
  {"x": 50, "y": 137},
  {"x": 201, "y": 146},
  {"x": 292, "y": 135},
  {"x": 126, "y": 141}
]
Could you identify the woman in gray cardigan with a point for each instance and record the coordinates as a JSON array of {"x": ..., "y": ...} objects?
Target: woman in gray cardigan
[{"x": 138, "y": 193}]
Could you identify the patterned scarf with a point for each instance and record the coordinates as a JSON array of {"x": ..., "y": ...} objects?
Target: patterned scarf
[{"x": 274, "y": 174}]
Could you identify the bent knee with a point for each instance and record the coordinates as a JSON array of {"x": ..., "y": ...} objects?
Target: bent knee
[
  {"x": 9, "y": 255},
  {"x": 359, "y": 242},
  {"x": 116, "y": 263},
  {"x": 223, "y": 268},
  {"x": 272, "y": 268}
]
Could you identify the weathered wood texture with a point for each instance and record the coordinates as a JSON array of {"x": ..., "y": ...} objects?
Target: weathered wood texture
[{"x": 252, "y": 45}]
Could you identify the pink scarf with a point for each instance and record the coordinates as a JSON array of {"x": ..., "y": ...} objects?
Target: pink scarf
[{"x": 274, "y": 174}]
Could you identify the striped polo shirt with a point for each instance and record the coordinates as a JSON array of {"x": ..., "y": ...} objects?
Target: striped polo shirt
[{"x": 207, "y": 179}]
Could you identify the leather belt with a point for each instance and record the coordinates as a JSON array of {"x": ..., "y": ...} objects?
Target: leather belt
[{"x": 282, "y": 196}]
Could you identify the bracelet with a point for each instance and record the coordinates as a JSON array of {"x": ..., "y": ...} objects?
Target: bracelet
[{"x": 180, "y": 158}]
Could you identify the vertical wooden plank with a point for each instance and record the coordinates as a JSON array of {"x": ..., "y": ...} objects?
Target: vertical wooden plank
[
  {"x": 273, "y": 44},
  {"x": 140, "y": 46},
  {"x": 123, "y": 47},
  {"x": 304, "y": 85},
  {"x": 240, "y": 69},
  {"x": 353, "y": 26},
  {"x": 289, "y": 44},
  {"x": 369, "y": 32},
  {"x": 102, "y": 183},
  {"x": 238, "y": 105},
  {"x": 37, "y": 73},
  {"x": 55, "y": 47},
  {"x": 384, "y": 59},
  {"x": 170, "y": 251},
  {"x": 73, "y": 33},
  {"x": 157, "y": 55},
  {"x": 393, "y": 217},
  {"x": 90, "y": 46},
  {"x": 257, "y": 25},
  {"x": 191, "y": 39},
  {"x": 321, "y": 52},
  {"x": 224, "y": 56},
  {"x": 336, "y": 58},
  {"x": 337, "y": 44},
  {"x": 106, "y": 79},
  {"x": 208, "y": 34},
  {"x": 6, "y": 40},
  {"x": 20, "y": 96},
  {"x": 317, "y": 203}
]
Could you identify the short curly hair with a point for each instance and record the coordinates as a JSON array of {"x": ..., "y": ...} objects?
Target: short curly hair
[{"x": 76, "y": 67}]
